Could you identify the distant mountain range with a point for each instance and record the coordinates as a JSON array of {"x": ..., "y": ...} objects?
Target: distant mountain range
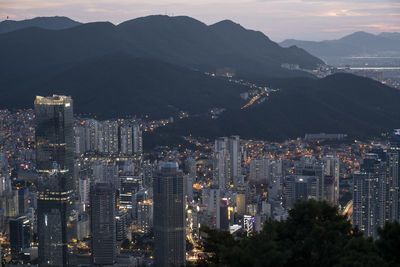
[
  {"x": 356, "y": 44},
  {"x": 156, "y": 65},
  {"x": 182, "y": 41},
  {"x": 50, "y": 23}
]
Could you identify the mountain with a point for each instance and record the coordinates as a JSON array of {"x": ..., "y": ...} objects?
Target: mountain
[
  {"x": 356, "y": 44},
  {"x": 51, "y": 23},
  {"x": 156, "y": 65},
  {"x": 119, "y": 84},
  {"x": 341, "y": 103},
  {"x": 181, "y": 41},
  {"x": 390, "y": 35}
]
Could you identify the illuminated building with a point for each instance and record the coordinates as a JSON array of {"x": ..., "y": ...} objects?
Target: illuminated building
[
  {"x": 126, "y": 142},
  {"x": 110, "y": 137},
  {"x": 54, "y": 164},
  {"x": 20, "y": 234},
  {"x": 259, "y": 170},
  {"x": 130, "y": 184},
  {"x": 120, "y": 225},
  {"x": 169, "y": 216},
  {"x": 235, "y": 163},
  {"x": 241, "y": 201},
  {"x": 299, "y": 188},
  {"x": 103, "y": 224},
  {"x": 331, "y": 179},
  {"x": 375, "y": 191},
  {"x": 137, "y": 141},
  {"x": 227, "y": 167},
  {"x": 145, "y": 215}
]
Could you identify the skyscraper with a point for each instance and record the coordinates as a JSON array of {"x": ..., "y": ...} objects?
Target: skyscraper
[
  {"x": 137, "y": 141},
  {"x": 126, "y": 142},
  {"x": 235, "y": 164},
  {"x": 331, "y": 179},
  {"x": 20, "y": 234},
  {"x": 300, "y": 188},
  {"x": 311, "y": 167},
  {"x": 369, "y": 195},
  {"x": 103, "y": 224},
  {"x": 54, "y": 164},
  {"x": 169, "y": 215},
  {"x": 227, "y": 167},
  {"x": 110, "y": 137},
  {"x": 259, "y": 170}
]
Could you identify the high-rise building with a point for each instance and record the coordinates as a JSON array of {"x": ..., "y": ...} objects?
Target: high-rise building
[
  {"x": 92, "y": 135},
  {"x": 126, "y": 140},
  {"x": 241, "y": 200},
  {"x": 227, "y": 167},
  {"x": 80, "y": 140},
  {"x": 147, "y": 170},
  {"x": 54, "y": 164},
  {"x": 121, "y": 219},
  {"x": 23, "y": 201},
  {"x": 145, "y": 215},
  {"x": 299, "y": 188},
  {"x": 375, "y": 191},
  {"x": 259, "y": 170},
  {"x": 223, "y": 217},
  {"x": 312, "y": 167},
  {"x": 20, "y": 234},
  {"x": 392, "y": 186},
  {"x": 169, "y": 215},
  {"x": 219, "y": 170},
  {"x": 137, "y": 140},
  {"x": 130, "y": 184},
  {"x": 369, "y": 195},
  {"x": 331, "y": 179},
  {"x": 235, "y": 160},
  {"x": 214, "y": 198},
  {"x": 110, "y": 137},
  {"x": 103, "y": 224},
  {"x": 84, "y": 190}
]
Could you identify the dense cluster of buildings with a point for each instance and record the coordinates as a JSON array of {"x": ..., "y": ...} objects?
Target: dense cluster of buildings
[
  {"x": 108, "y": 137},
  {"x": 81, "y": 192}
]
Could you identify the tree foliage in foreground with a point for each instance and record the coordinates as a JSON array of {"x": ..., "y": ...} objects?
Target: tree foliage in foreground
[{"x": 313, "y": 235}]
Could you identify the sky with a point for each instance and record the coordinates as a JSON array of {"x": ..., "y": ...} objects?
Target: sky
[{"x": 278, "y": 19}]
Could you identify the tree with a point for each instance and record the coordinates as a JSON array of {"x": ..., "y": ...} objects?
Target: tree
[
  {"x": 314, "y": 234},
  {"x": 388, "y": 243}
]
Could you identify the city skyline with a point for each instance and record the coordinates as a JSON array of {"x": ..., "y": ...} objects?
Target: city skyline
[
  {"x": 299, "y": 19},
  {"x": 178, "y": 134}
]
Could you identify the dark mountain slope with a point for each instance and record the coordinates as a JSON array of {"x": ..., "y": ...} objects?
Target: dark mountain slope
[
  {"x": 32, "y": 48},
  {"x": 390, "y": 35},
  {"x": 119, "y": 84},
  {"x": 50, "y": 23},
  {"x": 249, "y": 41},
  {"x": 178, "y": 40},
  {"x": 340, "y": 103}
]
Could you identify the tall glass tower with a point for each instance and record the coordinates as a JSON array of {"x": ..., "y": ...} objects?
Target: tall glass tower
[
  {"x": 103, "y": 224},
  {"x": 169, "y": 216},
  {"x": 54, "y": 165}
]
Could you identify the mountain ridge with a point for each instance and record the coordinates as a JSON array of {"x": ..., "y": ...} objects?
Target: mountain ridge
[
  {"x": 50, "y": 23},
  {"x": 156, "y": 65},
  {"x": 356, "y": 44},
  {"x": 179, "y": 40}
]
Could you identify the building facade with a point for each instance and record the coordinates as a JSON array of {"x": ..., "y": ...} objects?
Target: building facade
[{"x": 54, "y": 164}]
